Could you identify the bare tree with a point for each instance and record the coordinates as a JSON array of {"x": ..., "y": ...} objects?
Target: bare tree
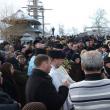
[
  {"x": 99, "y": 20},
  {"x": 6, "y": 11}
]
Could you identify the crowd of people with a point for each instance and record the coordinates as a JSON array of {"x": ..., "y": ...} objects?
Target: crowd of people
[{"x": 55, "y": 73}]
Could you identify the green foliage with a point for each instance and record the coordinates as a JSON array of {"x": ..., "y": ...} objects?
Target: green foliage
[{"x": 67, "y": 64}]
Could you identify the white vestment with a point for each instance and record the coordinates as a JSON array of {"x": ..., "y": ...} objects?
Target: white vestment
[{"x": 59, "y": 75}]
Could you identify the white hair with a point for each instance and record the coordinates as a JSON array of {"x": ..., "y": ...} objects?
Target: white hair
[{"x": 92, "y": 61}]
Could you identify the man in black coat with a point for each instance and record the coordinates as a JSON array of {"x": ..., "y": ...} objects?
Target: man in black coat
[{"x": 40, "y": 88}]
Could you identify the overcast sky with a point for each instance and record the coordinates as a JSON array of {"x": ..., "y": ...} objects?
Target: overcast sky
[{"x": 70, "y": 13}]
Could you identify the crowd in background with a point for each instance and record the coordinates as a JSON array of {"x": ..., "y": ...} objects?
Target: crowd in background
[{"x": 17, "y": 65}]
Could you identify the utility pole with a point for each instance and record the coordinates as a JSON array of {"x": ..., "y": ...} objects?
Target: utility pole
[
  {"x": 35, "y": 4},
  {"x": 43, "y": 22},
  {"x": 34, "y": 9},
  {"x": 43, "y": 19}
]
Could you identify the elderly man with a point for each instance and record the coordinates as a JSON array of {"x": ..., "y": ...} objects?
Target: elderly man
[{"x": 93, "y": 93}]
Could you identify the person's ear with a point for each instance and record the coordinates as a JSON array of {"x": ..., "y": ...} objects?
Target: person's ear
[{"x": 82, "y": 67}]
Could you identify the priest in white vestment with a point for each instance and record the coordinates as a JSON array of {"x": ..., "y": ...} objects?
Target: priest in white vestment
[{"x": 58, "y": 72}]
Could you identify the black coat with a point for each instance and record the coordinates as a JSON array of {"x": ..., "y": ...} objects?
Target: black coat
[
  {"x": 5, "y": 98},
  {"x": 76, "y": 72},
  {"x": 20, "y": 79},
  {"x": 9, "y": 86},
  {"x": 13, "y": 106},
  {"x": 6, "y": 102},
  {"x": 68, "y": 52},
  {"x": 40, "y": 89}
]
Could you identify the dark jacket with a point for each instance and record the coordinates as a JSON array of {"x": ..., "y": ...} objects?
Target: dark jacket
[
  {"x": 20, "y": 79},
  {"x": 68, "y": 52},
  {"x": 6, "y": 102},
  {"x": 40, "y": 89},
  {"x": 9, "y": 86},
  {"x": 76, "y": 72},
  {"x": 5, "y": 98}
]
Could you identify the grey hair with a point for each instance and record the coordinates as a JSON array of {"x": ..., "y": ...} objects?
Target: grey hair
[{"x": 92, "y": 61}]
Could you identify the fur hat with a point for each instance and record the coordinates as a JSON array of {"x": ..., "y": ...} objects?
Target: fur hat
[{"x": 56, "y": 54}]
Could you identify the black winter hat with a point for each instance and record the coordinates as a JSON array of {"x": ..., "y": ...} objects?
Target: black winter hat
[
  {"x": 56, "y": 54},
  {"x": 40, "y": 51}
]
